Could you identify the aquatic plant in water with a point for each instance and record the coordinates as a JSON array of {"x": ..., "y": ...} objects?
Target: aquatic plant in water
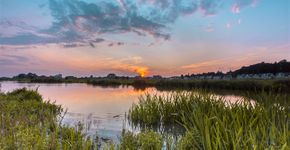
[
  {"x": 211, "y": 123},
  {"x": 28, "y": 122}
]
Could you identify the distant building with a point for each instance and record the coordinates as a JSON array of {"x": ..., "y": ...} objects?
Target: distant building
[
  {"x": 267, "y": 76},
  {"x": 280, "y": 75},
  {"x": 242, "y": 76},
  {"x": 255, "y": 76},
  {"x": 263, "y": 76},
  {"x": 200, "y": 77},
  {"x": 209, "y": 77},
  {"x": 227, "y": 77},
  {"x": 217, "y": 77}
]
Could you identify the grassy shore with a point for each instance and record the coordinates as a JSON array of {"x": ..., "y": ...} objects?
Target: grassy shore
[
  {"x": 273, "y": 85},
  {"x": 211, "y": 123},
  {"x": 28, "y": 122}
]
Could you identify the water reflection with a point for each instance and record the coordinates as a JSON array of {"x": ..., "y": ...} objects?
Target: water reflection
[{"x": 100, "y": 109}]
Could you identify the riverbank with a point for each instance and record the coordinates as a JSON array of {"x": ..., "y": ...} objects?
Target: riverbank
[
  {"x": 270, "y": 85},
  {"x": 29, "y": 122},
  {"x": 209, "y": 123}
]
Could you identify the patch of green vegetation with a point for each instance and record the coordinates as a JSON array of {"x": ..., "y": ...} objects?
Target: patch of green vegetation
[
  {"x": 145, "y": 140},
  {"x": 271, "y": 85},
  {"x": 211, "y": 123},
  {"x": 28, "y": 122}
]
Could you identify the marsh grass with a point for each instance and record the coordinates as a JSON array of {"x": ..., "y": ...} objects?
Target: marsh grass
[
  {"x": 147, "y": 139},
  {"x": 28, "y": 122},
  {"x": 211, "y": 123}
]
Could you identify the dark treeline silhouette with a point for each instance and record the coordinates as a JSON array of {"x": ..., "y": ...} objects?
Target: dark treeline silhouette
[
  {"x": 282, "y": 66},
  {"x": 240, "y": 79},
  {"x": 278, "y": 67}
]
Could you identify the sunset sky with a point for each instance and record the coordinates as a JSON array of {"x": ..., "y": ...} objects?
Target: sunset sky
[{"x": 126, "y": 37}]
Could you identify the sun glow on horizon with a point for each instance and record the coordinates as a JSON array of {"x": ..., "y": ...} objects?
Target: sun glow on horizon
[{"x": 142, "y": 71}]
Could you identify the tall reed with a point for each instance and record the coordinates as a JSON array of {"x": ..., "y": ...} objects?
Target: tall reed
[{"x": 211, "y": 123}]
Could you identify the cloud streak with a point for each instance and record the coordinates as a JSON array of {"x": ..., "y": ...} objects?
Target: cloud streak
[{"x": 9, "y": 59}]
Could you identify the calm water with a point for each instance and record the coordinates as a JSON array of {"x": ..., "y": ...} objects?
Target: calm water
[{"x": 101, "y": 110}]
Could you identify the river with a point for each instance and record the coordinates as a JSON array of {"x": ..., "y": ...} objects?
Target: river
[{"x": 100, "y": 109}]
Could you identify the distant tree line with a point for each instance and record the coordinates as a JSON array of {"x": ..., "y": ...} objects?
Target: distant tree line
[
  {"x": 282, "y": 66},
  {"x": 277, "y": 67},
  {"x": 218, "y": 80}
]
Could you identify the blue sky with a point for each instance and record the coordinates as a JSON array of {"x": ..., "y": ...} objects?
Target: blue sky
[{"x": 167, "y": 37}]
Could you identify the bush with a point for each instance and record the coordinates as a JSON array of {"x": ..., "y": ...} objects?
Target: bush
[{"x": 25, "y": 94}]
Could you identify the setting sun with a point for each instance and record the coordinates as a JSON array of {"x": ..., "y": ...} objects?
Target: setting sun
[{"x": 142, "y": 71}]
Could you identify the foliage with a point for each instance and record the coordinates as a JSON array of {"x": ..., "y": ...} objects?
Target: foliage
[
  {"x": 211, "y": 123},
  {"x": 28, "y": 122},
  {"x": 146, "y": 140},
  {"x": 282, "y": 66},
  {"x": 188, "y": 83},
  {"x": 241, "y": 85}
]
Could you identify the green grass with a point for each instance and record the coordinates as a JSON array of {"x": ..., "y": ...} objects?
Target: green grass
[
  {"x": 271, "y": 85},
  {"x": 146, "y": 140},
  {"x": 254, "y": 85},
  {"x": 28, "y": 122},
  {"x": 210, "y": 123}
]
